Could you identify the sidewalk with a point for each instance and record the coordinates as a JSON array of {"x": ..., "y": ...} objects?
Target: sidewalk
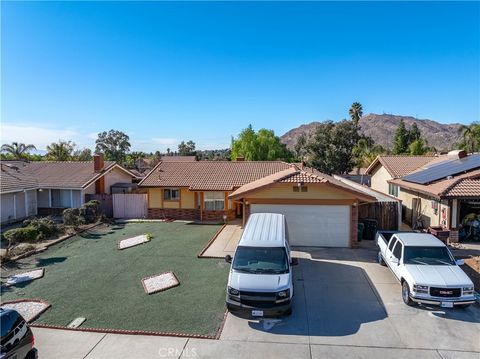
[
  {"x": 226, "y": 241},
  {"x": 52, "y": 344}
]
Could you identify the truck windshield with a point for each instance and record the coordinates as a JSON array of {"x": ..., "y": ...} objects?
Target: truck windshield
[
  {"x": 261, "y": 260},
  {"x": 427, "y": 256}
]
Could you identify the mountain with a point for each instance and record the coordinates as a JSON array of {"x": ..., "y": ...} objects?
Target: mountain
[{"x": 382, "y": 129}]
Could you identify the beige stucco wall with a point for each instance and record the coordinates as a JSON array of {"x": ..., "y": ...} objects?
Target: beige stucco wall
[
  {"x": 315, "y": 191},
  {"x": 379, "y": 179},
  {"x": 429, "y": 216},
  {"x": 115, "y": 176},
  {"x": 155, "y": 198},
  {"x": 6, "y": 201},
  {"x": 187, "y": 198}
]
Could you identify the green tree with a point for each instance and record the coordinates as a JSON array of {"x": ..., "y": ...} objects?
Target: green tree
[
  {"x": 366, "y": 151},
  {"x": 17, "y": 151},
  {"x": 60, "y": 151},
  {"x": 356, "y": 112},
  {"x": 83, "y": 155},
  {"x": 401, "y": 139},
  {"x": 330, "y": 147},
  {"x": 186, "y": 149},
  {"x": 132, "y": 159},
  {"x": 418, "y": 147},
  {"x": 113, "y": 144},
  {"x": 259, "y": 146},
  {"x": 414, "y": 134},
  {"x": 470, "y": 137}
]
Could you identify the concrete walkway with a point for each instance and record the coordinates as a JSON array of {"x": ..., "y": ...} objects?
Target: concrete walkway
[
  {"x": 53, "y": 344},
  {"x": 226, "y": 241}
]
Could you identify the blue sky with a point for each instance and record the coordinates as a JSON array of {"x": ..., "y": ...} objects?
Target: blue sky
[{"x": 164, "y": 72}]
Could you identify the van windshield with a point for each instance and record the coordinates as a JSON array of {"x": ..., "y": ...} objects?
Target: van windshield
[{"x": 261, "y": 260}]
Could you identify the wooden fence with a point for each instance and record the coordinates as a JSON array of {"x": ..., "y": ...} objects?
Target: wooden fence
[
  {"x": 105, "y": 200},
  {"x": 130, "y": 205},
  {"x": 385, "y": 213}
]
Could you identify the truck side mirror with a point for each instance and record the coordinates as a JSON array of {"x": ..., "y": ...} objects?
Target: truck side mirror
[
  {"x": 459, "y": 262},
  {"x": 228, "y": 258}
]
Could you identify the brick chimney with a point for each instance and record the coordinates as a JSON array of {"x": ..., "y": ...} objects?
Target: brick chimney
[{"x": 98, "y": 163}]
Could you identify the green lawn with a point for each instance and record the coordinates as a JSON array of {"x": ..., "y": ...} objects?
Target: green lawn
[{"x": 87, "y": 276}]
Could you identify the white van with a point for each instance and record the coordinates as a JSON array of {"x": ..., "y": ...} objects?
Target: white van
[{"x": 260, "y": 281}]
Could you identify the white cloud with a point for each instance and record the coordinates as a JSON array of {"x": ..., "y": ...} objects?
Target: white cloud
[{"x": 38, "y": 136}]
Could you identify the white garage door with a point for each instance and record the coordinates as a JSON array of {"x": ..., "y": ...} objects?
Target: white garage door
[{"x": 312, "y": 225}]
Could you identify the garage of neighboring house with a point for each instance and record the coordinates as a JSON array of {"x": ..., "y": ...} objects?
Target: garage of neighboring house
[{"x": 319, "y": 210}]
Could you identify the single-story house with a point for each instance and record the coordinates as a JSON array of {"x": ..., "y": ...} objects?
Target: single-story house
[
  {"x": 18, "y": 193},
  {"x": 439, "y": 193},
  {"x": 65, "y": 184},
  {"x": 320, "y": 210}
]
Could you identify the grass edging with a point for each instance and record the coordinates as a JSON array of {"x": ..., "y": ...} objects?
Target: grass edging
[
  {"x": 210, "y": 242},
  {"x": 138, "y": 332}
]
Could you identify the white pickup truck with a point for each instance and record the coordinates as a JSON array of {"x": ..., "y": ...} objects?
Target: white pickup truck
[{"x": 426, "y": 269}]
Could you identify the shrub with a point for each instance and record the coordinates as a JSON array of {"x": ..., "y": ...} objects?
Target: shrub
[
  {"x": 45, "y": 226},
  {"x": 148, "y": 236},
  {"x": 90, "y": 211},
  {"x": 19, "y": 235},
  {"x": 71, "y": 217}
]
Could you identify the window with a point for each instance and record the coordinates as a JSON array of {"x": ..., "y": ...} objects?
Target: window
[
  {"x": 171, "y": 194},
  {"x": 392, "y": 242},
  {"x": 397, "y": 251},
  {"x": 300, "y": 189},
  {"x": 214, "y": 201},
  {"x": 304, "y": 189},
  {"x": 393, "y": 190}
]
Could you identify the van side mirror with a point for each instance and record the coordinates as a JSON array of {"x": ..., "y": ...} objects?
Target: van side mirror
[
  {"x": 228, "y": 258},
  {"x": 459, "y": 262}
]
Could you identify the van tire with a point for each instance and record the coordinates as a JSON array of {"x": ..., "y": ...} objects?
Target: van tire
[
  {"x": 406, "y": 294},
  {"x": 380, "y": 259}
]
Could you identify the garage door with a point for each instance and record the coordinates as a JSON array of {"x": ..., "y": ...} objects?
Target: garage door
[{"x": 311, "y": 225}]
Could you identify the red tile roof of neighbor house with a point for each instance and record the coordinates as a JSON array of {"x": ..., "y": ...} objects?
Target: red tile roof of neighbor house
[
  {"x": 446, "y": 187},
  {"x": 295, "y": 175},
  {"x": 16, "y": 177},
  {"x": 167, "y": 158},
  {"x": 401, "y": 165},
  {"x": 211, "y": 175}
]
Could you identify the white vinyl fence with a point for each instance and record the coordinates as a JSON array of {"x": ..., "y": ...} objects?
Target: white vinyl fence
[{"x": 129, "y": 205}]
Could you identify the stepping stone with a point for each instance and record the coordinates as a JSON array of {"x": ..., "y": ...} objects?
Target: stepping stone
[
  {"x": 159, "y": 282},
  {"x": 29, "y": 309},
  {"x": 25, "y": 276},
  {"x": 134, "y": 241},
  {"x": 76, "y": 322}
]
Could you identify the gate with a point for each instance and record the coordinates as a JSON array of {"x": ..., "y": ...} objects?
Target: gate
[
  {"x": 105, "y": 203},
  {"x": 385, "y": 213},
  {"x": 129, "y": 205}
]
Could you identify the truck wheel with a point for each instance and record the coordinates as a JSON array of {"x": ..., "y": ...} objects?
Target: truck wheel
[
  {"x": 406, "y": 294},
  {"x": 380, "y": 259}
]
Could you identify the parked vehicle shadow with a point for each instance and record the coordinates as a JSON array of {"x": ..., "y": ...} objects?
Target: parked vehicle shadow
[
  {"x": 366, "y": 252},
  {"x": 332, "y": 299},
  {"x": 470, "y": 314}
]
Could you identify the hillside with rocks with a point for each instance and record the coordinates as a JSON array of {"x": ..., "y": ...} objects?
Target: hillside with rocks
[{"x": 382, "y": 129}]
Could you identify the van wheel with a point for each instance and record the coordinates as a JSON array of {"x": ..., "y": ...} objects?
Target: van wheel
[
  {"x": 380, "y": 260},
  {"x": 406, "y": 294}
]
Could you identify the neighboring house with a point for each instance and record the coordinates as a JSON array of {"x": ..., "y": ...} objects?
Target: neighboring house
[
  {"x": 65, "y": 184},
  {"x": 18, "y": 192},
  {"x": 320, "y": 210},
  {"x": 439, "y": 193},
  {"x": 357, "y": 175}
]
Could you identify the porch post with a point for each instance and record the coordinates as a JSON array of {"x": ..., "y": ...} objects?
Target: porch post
[
  {"x": 454, "y": 213},
  {"x": 15, "y": 206},
  {"x": 82, "y": 197},
  {"x": 50, "y": 198},
  {"x": 26, "y": 203},
  {"x": 71, "y": 198},
  {"x": 201, "y": 206}
]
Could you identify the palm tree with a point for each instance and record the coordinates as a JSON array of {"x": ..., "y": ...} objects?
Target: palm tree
[
  {"x": 61, "y": 151},
  {"x": 356, "y": 112},
  {"x": 471, "y": 137},
  {"x": 18, "y": 150}
]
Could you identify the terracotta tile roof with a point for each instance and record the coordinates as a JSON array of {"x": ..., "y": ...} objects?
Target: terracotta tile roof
[
  {"x": 210, "y": 175},
  {"x": 295, "y": 175},
  {"x": 438, "y": 189},
  {"x": 464, "y": 188},
  {"x": 401, "y": 165},
  {"x": 179, "y": 158},
  {"x": 16, "y": 177}
]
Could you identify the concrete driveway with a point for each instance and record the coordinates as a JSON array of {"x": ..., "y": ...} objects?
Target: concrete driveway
[{"x": 343, "y": 297}]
